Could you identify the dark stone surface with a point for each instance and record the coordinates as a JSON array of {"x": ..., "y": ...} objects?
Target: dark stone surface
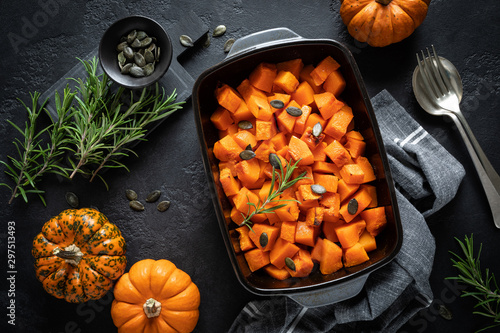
[{"x": 40, "y": 40}]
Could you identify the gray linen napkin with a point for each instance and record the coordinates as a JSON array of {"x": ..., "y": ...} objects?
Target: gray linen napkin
[{"x": 427, "y": 177}]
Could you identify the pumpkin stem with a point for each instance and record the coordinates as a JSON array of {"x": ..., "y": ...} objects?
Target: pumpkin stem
[
  {"x": 71, "y": 254},
  {"x": 152, "y": 308},
  {"x": 383, "y": 2}
]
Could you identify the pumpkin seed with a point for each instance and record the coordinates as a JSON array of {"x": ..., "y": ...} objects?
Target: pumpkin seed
[
  {"x": 157, "y": 55},
  {"x": 149, "y": 56},
  {"x": 137, "y": 71},
  {"x": 277, "y": 104},
  {"x": 317, "y": 129},
  {"x": 228, "y": 45},
  {"x": 128, "y": 52},
  {"x": 149, "y": 69},
  {"x": 94, "y": 207},
  {"x": 146, "y": 41},
  {"x": 186, "y": 41},
  {"x": 139, "y": 60},
  {"x": 263, "y": 239},
  {"x": 132, "y": 36},
  {"x": 131, "y": 194},
  {"x": 207, "y": 40},
  {"x": 163, "y": 206},
  {"x": 245, "y": 124},
  {"x": 219, "y": 30},
  {"x": 249, "y": 147},
  {"x": 136, "y": 43},
  {"x": 136, "y": 205},
  {"x": 247, "y": 154},
  {"x": 153, "y": 196},
  {"x": 352, "y": 206},
  {"x": 121, "y": 46},
  {"x": 141, "y": 35},
  {"x": 445, "y": 312},
  {"x": 318, "y": 189},
  {"x": 121, "y": 58},
  {"x": 275, "y": 161},
  {"x": 289, "y": 263},
  {"x": 294, "y": 111},
  {"x": 126, "y": 68},
  {"x": 72, "y": 199}
]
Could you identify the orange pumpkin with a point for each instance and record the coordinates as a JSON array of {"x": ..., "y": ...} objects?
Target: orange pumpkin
[
  {"x": 382, "y": 22},
  {"x": 155, "y": 296},
  {"x": 78, "y": 255}
]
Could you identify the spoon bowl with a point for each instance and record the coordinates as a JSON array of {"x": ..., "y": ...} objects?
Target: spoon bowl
[{"x": 423, "y": 98}]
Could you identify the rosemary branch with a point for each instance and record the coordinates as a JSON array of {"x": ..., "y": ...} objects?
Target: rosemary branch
[
  {"x": 136, "y": 128},
  {"x": 92, "y": 124},
  {"x": 282, "y": 178},
  {"x": 485, "y": 288},
  {"x": 102, "y": 129},
  {"x": 35, "y": 160}
]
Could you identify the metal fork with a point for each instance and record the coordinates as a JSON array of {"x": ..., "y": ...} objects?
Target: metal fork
[
  {"x": 445, "y": 95},
  {"x": 439, "y": 85}
]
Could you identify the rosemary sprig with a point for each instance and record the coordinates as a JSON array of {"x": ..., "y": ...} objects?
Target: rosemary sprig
[
  {"x": 284, "y": 182},
  {"x": 102, "y": 129},
  {"x": 485, "y": 288},
  {"x": 135, "y": 129},
  {"x": 92, "y": 124},
  {"x": 35, "y": 160}
]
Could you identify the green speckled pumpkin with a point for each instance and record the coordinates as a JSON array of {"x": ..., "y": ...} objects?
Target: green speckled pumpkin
[{"x": 78, "y": 255}]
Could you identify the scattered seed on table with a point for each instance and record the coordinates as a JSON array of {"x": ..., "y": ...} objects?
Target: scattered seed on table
[
  {"x": 136, "y": 205},
  {"x": 131, "y": 194},
  {"x": 445, "y": 312},
  {"x": 228, "y": 45},
  {"x": 163, "y": 206},
  {"x": 186, "y": 41},
  {"x": 72, "y": 199},
  {"x": 153, "y": 196},
  {"x": 219, "y": 30}
]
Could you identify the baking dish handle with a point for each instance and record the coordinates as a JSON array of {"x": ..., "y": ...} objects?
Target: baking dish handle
[
  {"x": 261, "y": 38},
  {"x": 331, "y": 295}
]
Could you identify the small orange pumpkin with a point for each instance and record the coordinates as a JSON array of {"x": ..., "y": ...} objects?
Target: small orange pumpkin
[
  {"x": 382, "y": 22},
  {"x": 78, "y": 254},
  {"x": 155, "y": 296}
]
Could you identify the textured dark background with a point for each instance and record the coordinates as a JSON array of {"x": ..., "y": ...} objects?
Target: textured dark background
[{"x": 465, "y": 32}]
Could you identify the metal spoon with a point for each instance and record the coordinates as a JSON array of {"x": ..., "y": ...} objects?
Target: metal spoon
[{"x": 487, "y": 174}]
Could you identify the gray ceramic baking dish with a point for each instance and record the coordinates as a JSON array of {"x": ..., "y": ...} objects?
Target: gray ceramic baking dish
[{"x": 277, "y": 45}]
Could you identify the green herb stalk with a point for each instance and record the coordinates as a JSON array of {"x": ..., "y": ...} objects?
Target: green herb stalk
[
  {"x": 92, "y": 124},
  {"x": 283, "y": 182},
  {"x": 34, "y": 158},
  {"x": 484, "y": 287}
]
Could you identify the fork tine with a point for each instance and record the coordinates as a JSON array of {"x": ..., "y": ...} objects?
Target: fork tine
[
  {"x": 426, "y": 82},
  {"x": 427, "y": 75},
  {"x": 436, "y": 76},
  {"x": 446, "y": 79}
]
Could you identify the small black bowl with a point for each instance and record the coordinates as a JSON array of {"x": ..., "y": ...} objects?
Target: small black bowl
[{"x": 108, "y": 55}]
